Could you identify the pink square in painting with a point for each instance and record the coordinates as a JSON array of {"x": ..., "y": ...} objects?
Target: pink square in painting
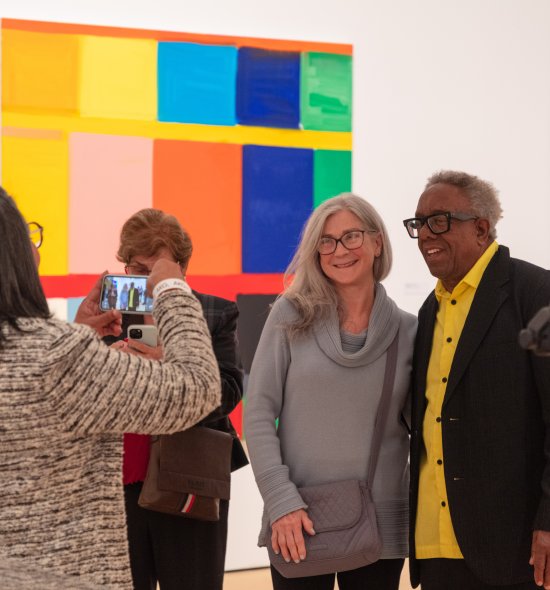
[{"x": 110, "y": 179}]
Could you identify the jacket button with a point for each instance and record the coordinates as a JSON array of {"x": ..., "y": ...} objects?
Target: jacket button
[
  {"x": 443, "y": 504},
  {"x": 439, "y": 462},
  {"x": 438, "y": 419}
]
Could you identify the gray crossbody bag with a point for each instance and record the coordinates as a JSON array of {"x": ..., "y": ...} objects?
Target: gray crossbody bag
[{"x": 343, "y": 512}]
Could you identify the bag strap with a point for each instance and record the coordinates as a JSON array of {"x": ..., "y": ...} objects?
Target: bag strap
[{"x": 383, "y": 407}]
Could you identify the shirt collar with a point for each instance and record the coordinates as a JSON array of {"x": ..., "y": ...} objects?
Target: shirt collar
[{"x": 472, "y": 278}]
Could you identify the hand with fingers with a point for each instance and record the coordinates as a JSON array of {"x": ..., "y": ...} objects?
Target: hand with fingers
[
  {"x": 107, "y": 323},
  {"x": 287, "y": 535},
  {"x": 540, "y": 558}
]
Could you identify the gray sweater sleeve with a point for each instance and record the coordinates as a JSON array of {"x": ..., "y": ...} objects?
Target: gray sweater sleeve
[
  {"x": 95, "y": 389},
  {"x": 265, "y": 394}
]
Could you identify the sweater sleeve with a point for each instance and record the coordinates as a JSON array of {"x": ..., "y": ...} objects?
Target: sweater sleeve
[
  {"x": 95, "y": 389},
  {"x": 264, "y": 401}
]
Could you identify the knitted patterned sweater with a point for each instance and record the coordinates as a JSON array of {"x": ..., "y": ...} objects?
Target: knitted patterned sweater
[{"x": 65, "y": 400}]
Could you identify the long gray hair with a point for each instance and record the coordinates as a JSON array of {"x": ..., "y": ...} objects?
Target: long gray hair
[{"x": 312, "y": 294}]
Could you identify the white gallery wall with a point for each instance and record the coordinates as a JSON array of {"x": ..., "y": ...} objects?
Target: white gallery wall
[
  {"x": 437, "y": 84},
  {"x": 461, "y": 84}
]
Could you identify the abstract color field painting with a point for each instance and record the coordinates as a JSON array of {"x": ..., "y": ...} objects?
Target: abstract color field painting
[{"x": 240, "y": 138}]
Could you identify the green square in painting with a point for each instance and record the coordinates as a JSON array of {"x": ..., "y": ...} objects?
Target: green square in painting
[
  {"x": 331, "y": 174},
  {"x": 325, "y": 91}
]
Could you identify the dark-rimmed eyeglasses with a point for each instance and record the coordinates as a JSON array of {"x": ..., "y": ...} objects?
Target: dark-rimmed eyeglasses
[
  {"x": 135, "y": 268},
  {"x": 439, "y": 223},
  {"x": 36, "y": 233},
  {"x": 351, "y": 240}
]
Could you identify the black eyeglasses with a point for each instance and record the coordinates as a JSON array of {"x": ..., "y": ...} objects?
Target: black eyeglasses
[
  {"x": 135, "y": 268},
  {"x": 439, "y": 223},
  {"x": 36, "y": 233},
  {"x": 351, "y": 240}
]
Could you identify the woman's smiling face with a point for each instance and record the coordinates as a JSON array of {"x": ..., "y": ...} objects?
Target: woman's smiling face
[{"x": 349, "y": 267}]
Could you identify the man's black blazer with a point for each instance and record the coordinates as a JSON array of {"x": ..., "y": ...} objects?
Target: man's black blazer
[{"x": 495, "y": 424}]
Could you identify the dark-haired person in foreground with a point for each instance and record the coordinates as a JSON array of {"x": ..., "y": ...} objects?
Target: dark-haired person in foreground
[
  {"x": 480, "y": 457},
  {"x": 66, "y": 399}
]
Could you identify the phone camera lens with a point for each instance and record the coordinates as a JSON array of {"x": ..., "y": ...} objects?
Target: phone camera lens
[{"x": 135, "y": 333}]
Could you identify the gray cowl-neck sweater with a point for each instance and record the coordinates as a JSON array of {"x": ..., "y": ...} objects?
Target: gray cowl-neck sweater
[{"x": 326, "y": 402}]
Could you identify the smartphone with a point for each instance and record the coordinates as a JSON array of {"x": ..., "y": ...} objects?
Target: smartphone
[
  {"x": 127, "y": 293},
  {"x": 143, "y": 333}
]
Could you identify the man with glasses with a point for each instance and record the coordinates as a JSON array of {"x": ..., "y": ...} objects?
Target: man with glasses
[
  {"x": 133, "y": 298},
  {"x": 480, "y": 443}
]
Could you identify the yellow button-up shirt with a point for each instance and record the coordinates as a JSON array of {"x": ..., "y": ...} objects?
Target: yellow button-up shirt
[{"x": 434, "y": 534}]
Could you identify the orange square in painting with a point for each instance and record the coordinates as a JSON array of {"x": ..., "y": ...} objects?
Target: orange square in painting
[
  {"x": 201, "y": 184},
  {"x": 39, "y": 71}
]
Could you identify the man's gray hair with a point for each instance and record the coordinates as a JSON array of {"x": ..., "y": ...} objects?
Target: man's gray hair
[{"x": 482, "y": 195}]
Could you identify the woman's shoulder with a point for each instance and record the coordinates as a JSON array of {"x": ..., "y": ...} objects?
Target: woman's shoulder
[
  {"x": 46, "y": 334},
  {"x": 284, "y": 309},
  {"x": 214, "y": 302},
  {"x": 46, "y": 326},
  {"x": 407, "y": 318},
  {"x": 408, "y": 323},
  {"x": 53, "y": 328}
]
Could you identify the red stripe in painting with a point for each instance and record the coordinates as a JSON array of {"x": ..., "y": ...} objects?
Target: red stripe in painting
[
  {"x": 68, "y": 285},
  {"x": 228, "y": 286},
  {"x": 236, "y": 418}
]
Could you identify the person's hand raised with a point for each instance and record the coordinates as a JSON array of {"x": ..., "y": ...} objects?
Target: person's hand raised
[
  {"x": 163, "y": 269},
  {"x": 108, "y": 323}
]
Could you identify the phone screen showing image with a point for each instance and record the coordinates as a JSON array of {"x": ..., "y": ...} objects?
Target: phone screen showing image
[{"x": 127, "y": 293}]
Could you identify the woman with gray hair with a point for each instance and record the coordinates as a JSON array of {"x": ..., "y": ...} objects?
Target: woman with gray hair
[{"x": 318, "y": 370}]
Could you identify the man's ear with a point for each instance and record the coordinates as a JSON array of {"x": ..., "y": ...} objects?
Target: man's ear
[{"x": 483, "y": 227}]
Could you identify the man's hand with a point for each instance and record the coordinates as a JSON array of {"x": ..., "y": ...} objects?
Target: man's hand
[
  {"x": 540, "y": 558},
  {"x": 107, "y": 323},
  {"x": 287, "y": 537}
]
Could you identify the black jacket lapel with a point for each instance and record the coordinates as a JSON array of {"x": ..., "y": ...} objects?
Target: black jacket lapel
[{"x": 488, "y": 299}]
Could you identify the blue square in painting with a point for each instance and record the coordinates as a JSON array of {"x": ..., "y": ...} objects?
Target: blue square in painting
[
  {"x": 196, "y": 83},
  {"x": 277, "y": 200},
  {"x": 268, "y": 88},
  {"x": 73, "y": 303}
]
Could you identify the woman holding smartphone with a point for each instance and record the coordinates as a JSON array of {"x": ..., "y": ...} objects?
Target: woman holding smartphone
[
  {"x": 178, "y": 553},
  {"x": 66, "y": 399}
]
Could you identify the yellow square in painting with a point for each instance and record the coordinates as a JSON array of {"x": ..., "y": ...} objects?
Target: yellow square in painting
[
  {"x": 119, "y": 78},
  {"x": 39, "y": 71},
  {"x": 36, "y": 173}
]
